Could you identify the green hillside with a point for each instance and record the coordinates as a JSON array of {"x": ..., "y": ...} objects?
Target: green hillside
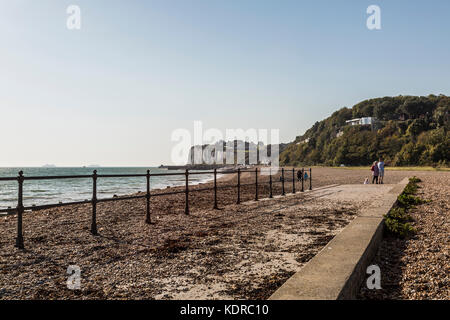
[{"x": 409, "y": 130}]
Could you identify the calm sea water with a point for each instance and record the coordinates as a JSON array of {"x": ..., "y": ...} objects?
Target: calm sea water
[{"x": 65, "y": 190}]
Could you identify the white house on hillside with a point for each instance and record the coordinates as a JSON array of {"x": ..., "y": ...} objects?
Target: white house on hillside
[
  {"x": 361, "y": 121},
  {"x": 367, "y": 121}
]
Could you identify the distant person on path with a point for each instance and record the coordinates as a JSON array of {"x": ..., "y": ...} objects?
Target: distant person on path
[
  {"x": 299, "y": 175},
  {"x": 306, "y": 176},
  {"x": 375, "y": 172},
  {"x": 381, "y": 171}
]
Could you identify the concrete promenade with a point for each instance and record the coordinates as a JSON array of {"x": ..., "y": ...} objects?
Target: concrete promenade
[{"x": 338, "y": 270}]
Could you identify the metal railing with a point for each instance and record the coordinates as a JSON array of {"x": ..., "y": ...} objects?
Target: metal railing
[{"x": 20, "y": 209}]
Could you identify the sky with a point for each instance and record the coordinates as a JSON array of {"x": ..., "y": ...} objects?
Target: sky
[{"x": 113, "y": 92}]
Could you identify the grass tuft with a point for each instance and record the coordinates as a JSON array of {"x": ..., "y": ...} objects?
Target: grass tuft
[{"x": 398, "y": 221}]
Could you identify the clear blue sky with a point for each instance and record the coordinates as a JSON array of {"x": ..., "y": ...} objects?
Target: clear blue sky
[{"x": 113, "y": 92}]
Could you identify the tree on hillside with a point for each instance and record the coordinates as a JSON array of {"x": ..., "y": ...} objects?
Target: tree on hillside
[
  {"x": 416, "y": 127},
  {"x": 422, "y": 139},
  {"x": 416, "y": 106},
  {"x": 386, "y": 110}
]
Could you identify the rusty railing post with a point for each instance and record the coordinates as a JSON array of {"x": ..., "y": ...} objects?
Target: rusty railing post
[
  {"x": 310, "y": 178},
  {"x": 282, "y": 182},
  {"x": 94, "y": 203},
  {"x": 270, "y": 183},
  {"x": 256, "y": 184},
  {"x": 215, "y": 189},
  {"x": 303, "y": 179},
  {"x": 147, "y": 197},
  {"x": 293, "y": 180},
  {"x": 186, "y": 208},
  {"x": 239, "y": 186},
  {"x": 20, "y": 210}
]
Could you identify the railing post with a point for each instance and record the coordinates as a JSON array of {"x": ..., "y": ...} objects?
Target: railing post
[
  {"x": 147, "y": 197},
  {"x": 293, "y": 180},
  {"x": 256, "y": 184},
  {"x": 20, "y": 210},
  {"x": 94, "y": 204},
  {"x": 310, "y": 178},
  {"x": 303, "y": 179},
  {"x": 282, "y": 182},
  {"x": 270, "y": 183},
  {"x": 239, "y": 186},
  {"x": 215, "y": 189},
  {"x": 186, "y": 208}
]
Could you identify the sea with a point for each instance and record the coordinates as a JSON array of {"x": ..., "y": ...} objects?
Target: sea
[{"x": 41, "y": 192}]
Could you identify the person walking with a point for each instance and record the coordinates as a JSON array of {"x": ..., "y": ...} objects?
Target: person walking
[
  {"x": 380, "y": 171},
  {"x": 299, "y": 175},
  {"x": 375, "y": 172}
]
